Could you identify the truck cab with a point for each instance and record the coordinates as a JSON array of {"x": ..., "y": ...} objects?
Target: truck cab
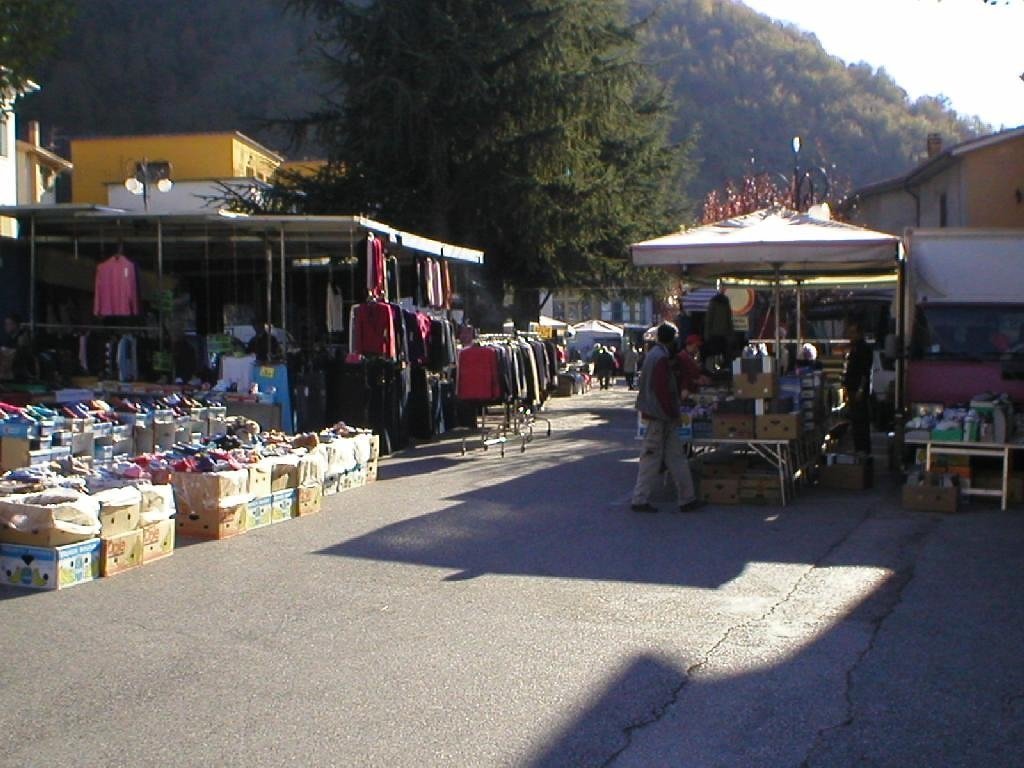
[{"x": 964, "y": 319}]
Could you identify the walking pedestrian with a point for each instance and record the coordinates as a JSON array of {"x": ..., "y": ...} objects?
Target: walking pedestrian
[
  {"x": 604, "y": 366},
  {"x": 659, "y": 404},
  {"x": 630, "y": 357}
]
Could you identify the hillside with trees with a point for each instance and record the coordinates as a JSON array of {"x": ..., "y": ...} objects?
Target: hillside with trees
[{"x": 743, "y": 85}]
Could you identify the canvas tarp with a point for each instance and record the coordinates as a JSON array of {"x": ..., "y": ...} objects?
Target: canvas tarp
[{"x": 776, "y": 242}]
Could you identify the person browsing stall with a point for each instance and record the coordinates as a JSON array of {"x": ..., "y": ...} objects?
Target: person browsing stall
[
  {"x": 856, "y": 386},
  {"x": 689, "y": 375},
  {"x": 658, "y": 402}
]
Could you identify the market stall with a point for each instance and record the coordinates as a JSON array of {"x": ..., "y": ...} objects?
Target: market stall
[
  {"x": 270, "y": 308},
  {"x": 772, "y": 247}
]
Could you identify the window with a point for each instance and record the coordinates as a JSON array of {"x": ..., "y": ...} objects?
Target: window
[
  {"x": 943, "y": 211},
  {"x": 968, "y": 333}
]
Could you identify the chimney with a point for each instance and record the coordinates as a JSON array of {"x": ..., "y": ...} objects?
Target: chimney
[{"x": 934, "y": 144}]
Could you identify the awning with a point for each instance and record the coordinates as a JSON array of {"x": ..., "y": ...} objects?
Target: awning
[
  {"x": 774, "y": 242},
  {"x": 70, "y": 222}
]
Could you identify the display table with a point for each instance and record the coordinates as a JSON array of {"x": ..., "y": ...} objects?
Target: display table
[
  {"x": 778, "y": 453},
  {"x": 999, "y": 451}
]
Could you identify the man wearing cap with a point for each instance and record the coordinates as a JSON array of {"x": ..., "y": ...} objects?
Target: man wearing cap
[{"x": 658, "y": 402}]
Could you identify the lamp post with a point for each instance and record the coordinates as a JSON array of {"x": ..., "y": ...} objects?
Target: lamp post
[
  {"x": 796, "y": 173},
  {"x": 146, "y": 174},
  {"x": 801, "y": 176}
]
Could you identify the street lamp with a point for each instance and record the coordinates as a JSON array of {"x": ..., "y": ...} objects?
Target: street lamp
[
  {"x": 808, "y": 176},
  {"x": 157, "y": 174}
]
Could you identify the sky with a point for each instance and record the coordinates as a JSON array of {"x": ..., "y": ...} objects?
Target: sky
[{"x": 968, "y": 51}]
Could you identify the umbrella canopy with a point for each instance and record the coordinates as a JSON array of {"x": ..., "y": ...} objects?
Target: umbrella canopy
[{"x": 775, "y": 242}]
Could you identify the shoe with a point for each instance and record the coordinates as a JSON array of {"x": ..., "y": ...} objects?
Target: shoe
[
  {"x": 645, "y": 507},
  {"x": 691, "y": 506}
]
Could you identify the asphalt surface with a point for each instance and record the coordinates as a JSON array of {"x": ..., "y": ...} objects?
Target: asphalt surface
[{"x": 486, "y": 611}]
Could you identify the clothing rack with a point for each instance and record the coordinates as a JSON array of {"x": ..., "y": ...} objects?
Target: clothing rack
[
  {"x": 517, "y": 418},
  {"x": 75, "y": 327}
]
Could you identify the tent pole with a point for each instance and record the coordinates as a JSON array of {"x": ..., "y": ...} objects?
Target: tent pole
[
  {"x": 32, "y": 279},
  {"x": 268, "y": 319},
  {"x": 799, "y": 313},
  {"x": 776, "y": 291},
  {"x": 160, "y": 282},
  {"x": 284, "y": 294}
]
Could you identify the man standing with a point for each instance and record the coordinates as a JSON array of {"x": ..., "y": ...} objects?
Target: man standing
[
  {"x": 856, "y": 385},
  {"x": 658, "y": 403}
]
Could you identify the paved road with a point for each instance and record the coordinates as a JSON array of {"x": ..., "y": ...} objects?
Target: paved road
[{"x": 480, "y": 611}]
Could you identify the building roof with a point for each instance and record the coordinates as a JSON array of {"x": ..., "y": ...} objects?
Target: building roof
[
  {"x": 935, "y": 165},
  {"x": 45, "y": 156},
  {"x": 184, "y": 134}
]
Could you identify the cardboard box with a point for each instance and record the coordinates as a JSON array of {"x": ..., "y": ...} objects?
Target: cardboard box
[
  {"x": 931, "y": 498},
  {"x": 50, "y": 567},
  {"x": 15, "y": 452},
  {"x": 23, "y": 430},
  {"x": 284, "y": 505},
  {"x": 732, "y": 426},
  {"x": 720, "y": 490},
  {"x": 164, "y": 435},
  {"x": 201, "y": 491},
  {"x": 83, "y": 443},
  {"x": 157, "y": 541},
  {"x": 52, "y": 518},
  {"x": 43, "y": 537},
  {"x": 284, "y": 473},
  {"x": 332, "y": 483},
  {"x": 258, "y": 513},
  {"x": 371, "y": 468},
  {"x": 852, "y": 477},
  {"x": 735, "y": 467},
  {"x": 212, "y": 523},
  {"x": 259, "y": 479},
  {"x": 310, "y": 499},
  {"x": 756, "y": 488},
  {"x": 755, "y": 386},
  {"x": 780, "y": 426},
  {"x": 144, "y": 438},
  {"x": 121, "y": 553},
  {"x": 120, "y": 510}
]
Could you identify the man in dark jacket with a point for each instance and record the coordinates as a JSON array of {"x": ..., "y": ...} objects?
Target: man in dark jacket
[
  {"x": 856, "y": 387},
  {"x": 658, "y": 403}
]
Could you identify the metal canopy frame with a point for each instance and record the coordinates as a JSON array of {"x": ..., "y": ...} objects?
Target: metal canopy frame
[{"x": 74, "y": 224}]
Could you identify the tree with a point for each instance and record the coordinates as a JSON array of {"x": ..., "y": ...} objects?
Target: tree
[
  {"x": 30, "y": 32},
  {"x": 527, "y": 128}
]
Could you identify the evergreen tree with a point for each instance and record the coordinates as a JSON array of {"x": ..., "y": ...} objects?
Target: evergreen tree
[
  {"x": 30, "y": 32},
  {"x": 527, "y": 128}
]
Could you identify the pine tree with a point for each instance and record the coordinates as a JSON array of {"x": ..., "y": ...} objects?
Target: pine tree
[{"x": 528, "y": 128}]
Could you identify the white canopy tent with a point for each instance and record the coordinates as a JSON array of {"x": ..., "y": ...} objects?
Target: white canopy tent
[
  {"x": 774, "y": 245},
  {"x": 591, "y": 332}
]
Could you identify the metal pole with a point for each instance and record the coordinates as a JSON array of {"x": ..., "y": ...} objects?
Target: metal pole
[
  {"x": 160, "y": 281},
  {"x": 270, "y": 296},
  {"x": 284, "y": 292},
  {"x": 778, "y": 329},
  {"x": 799, "y": 313},
  {"x": 899, "y": 415},
  {"x": 32, "y": 278}
]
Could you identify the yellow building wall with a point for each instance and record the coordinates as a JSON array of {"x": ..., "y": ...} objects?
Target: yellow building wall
[
  {"x": 994, "y": 177},
  {"x": 99, "y": 161}
]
